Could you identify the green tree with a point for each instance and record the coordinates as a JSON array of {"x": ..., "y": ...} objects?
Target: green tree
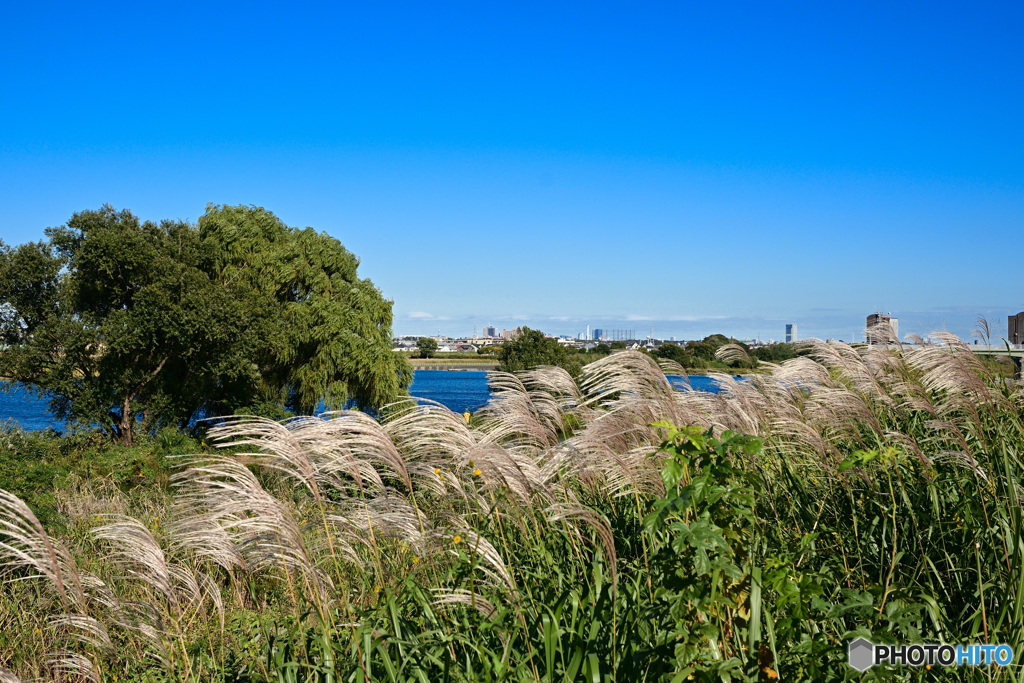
[
  {"x": 427, "y": 346},
  {"x": 702, "y": 350},
  {"x": 113, "y": 319},
  {"x": 328, "y": 332},
  {"x": 775, "y": 353},
  {"x": 531, "y": 348},
  {"x": 676, "y": 353}
]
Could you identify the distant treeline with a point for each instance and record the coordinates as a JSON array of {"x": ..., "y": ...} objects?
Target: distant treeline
[
  {"x": 532, "y": 348},
  {"x": 700, "y": 355}
]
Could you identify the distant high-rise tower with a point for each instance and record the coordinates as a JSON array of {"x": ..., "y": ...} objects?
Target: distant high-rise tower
[
  {"x": 598, "y": 333},
  {"x": 791, "y": 335},
  {"x": 877, "y": 334},
  {"x": 1015, "y": 328},
  {"x": 489, "y": 331}
]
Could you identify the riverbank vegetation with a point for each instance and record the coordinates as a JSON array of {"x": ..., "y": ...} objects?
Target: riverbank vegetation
[
  {"x": 607, "y": 528},
  {"x": 531, "y": 348}
]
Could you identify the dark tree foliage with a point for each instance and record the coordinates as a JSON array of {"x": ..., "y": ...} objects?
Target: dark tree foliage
[
  {"x": 702, "y": 350},
  {"x": 531, "y": 348},
  {"x": 427, "y": 346},
  {"x": 113, "y": 318},
  {"x": 699, "y": 355},
  {"x": 717, "y": 340},
  {"x": 775, "y": 353},
  {"x": 328, "y": 333},
  {"x": 682, "y": 355}
]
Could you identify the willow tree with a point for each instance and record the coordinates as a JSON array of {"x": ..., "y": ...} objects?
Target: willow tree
[
  {"x": 113, "y": 319},
  {"x": 327, "y": 333}
]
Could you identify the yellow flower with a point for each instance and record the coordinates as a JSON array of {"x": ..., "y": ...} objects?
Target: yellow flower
[
  {"x": 415, "y": 560},
  {"x": 376, "y": 589},
  {"x": 476, "y": 473},
  {"x": 437, "y": 470},
  {"x": 457, "y": 539}
]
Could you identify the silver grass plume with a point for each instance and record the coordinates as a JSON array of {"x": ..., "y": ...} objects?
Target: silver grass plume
[
  {"x": 87, "y": 632},
  {"x": 139, "y": 554},
  {"x": 492, "y": 565},
  {"x": 515, "y": 415},
  {"x": 277, "y": 446},
  {"x": 349, "y": 440},
  {"x": 263, "y": 529},
  {"x": 24, "y": 544},
  {"x": 601, "y": 528},
  {"x": 73, "y": 664},
  {"x": 144, "y": 619},
  {"x": 460, "y": 596}
]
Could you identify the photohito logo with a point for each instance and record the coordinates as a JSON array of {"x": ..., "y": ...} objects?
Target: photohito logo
[{"x": 863, "y": 654}]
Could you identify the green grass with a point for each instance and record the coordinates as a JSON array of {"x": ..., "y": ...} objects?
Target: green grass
[
  {"x": 693, "y": 553},
  {"x": 36, "y": 466}
]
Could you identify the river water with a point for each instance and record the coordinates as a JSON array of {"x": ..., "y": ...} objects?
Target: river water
[{"x": 459, "y": 390}]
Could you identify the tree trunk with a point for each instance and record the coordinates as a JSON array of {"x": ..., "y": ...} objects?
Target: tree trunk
[{"x": 126, "y": 425}]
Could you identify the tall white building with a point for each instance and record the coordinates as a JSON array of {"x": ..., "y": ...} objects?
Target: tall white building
[
  {"x": 791, "y": 335},
  {"x": 877, "y": 334}
]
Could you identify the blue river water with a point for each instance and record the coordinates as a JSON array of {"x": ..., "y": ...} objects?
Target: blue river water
[{"x": 459, "y": 390}]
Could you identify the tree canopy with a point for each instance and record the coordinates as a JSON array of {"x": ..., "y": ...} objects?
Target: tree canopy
[
  {"x": 531, "y": 348},
  {"x": 699, "y": 355},
  {"x": 775, "y": 353},
  {"x": 113, "y": 318},
  {"x": 427, "y": 346}
]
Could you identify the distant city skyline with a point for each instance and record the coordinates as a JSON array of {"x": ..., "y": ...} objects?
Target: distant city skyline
[{"x": 824, "y": 325}]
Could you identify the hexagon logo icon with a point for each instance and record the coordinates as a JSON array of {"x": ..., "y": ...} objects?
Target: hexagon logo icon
[{"x": 862, "y": 654}]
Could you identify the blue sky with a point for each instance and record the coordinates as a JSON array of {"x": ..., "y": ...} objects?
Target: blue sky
[{"x": 698, "y": 167}]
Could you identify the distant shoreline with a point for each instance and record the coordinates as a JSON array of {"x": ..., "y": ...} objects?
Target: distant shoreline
[
  {"x": 458, "y": 364},
  {"x": 452, "y": 364}
]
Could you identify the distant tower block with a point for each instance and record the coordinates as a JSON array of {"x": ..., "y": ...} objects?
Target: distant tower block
[
  {"x": 1015, "y": 329},
  {"x": 882, "y": 329},
  {"x": 791, "y": 334}
]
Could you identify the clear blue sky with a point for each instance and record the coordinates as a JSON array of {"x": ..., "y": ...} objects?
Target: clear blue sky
[{"x": 698, "y": 167}]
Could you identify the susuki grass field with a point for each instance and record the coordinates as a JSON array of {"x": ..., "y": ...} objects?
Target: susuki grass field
[{"x": 613, "y": 529}]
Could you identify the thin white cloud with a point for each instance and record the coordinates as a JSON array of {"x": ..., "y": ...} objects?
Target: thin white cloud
[
  {"x": 674, "y": 318},
  {"x": 419, "y": 315}
]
